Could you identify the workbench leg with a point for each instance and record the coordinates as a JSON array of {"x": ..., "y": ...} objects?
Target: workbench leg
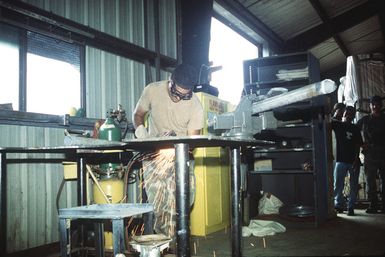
[
  {"x": 65, "y": 238},
  {"x": 118, "y": 236},
  {"x": 82, "y": 195},
  {"x": 82, "y": 182},
  {"x": 99, "y": 238},
  {"x": 182, "y": 199},
  {"x": 236, "y": 210}
]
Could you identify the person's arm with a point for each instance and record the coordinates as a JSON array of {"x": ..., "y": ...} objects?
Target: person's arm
[
  {"x": 359, "y": 144},
  {"x": 138, "y": 116},
  {"x": 194, "y": 132},
  {"x": 197, "y": 119}
]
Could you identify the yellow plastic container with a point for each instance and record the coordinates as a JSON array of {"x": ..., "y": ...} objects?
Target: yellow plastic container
[
  {"x": 113, "y": 188},
  {"x": 211, "y": 210},
  {"x": 70, "y": 170}
]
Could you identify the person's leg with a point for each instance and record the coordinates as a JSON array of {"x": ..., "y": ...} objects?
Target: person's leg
[
  {"x": 371, "y": 174},
  {"x": 381, "y": 169},
  {"x": 353, "y": 182},
  {"x": 159, "y": 182},
  {"x": 339, "y": 179}
]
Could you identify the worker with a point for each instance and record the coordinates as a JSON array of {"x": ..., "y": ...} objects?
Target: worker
[
  {"x": 172, "y": 109},
  {"x": 338, "y": 111},
  {"x": 348, "y": 141},
  {"x": 373, "y": 130}
]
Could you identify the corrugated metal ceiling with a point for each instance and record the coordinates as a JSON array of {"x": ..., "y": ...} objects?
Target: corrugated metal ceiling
[{"x": 332, "y": 30}]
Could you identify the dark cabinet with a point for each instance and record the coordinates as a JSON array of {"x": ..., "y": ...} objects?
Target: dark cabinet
[{"x": 296, "y": 168}]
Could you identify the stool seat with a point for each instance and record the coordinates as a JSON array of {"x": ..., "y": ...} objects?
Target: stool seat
[{"x": 98, "y": 212}]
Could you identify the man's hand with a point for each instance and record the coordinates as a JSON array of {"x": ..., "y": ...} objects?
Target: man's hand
[{"x": 141, "y": 132}]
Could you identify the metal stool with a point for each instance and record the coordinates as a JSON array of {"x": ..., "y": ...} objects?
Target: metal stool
[{"x": 99, "y": 212}]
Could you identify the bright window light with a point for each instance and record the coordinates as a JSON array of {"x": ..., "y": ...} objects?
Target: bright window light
[
  {"x": 9, "y": 75},
  {"x": 229, "y": 49},
  {"x": 53, "y": 86}
]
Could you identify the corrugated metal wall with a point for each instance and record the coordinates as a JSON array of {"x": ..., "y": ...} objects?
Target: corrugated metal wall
[
  {"x": 32, "y": 189},
  {"x": 367, "y": 73},
  {"x": 110, "y": 80}
]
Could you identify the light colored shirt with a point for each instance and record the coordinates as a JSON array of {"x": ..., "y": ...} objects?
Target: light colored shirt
[{"x": 166, "y": 115}]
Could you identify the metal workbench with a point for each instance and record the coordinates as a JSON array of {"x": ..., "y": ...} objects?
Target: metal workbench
[{"x": 82, "y": 153}]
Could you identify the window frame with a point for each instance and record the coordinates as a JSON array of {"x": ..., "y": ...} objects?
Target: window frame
[
  {"x": 28, "y": 17},
  {"x": 22, "y": 116}
]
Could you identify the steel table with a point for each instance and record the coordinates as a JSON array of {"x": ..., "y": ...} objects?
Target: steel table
[{"x": 182, "y": 146}]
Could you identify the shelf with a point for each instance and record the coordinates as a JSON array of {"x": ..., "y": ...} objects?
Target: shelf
[
  {"x": 288, "y": 150},
  {"x": 279, "y": 82},
  {"x": 294, "y": 168},
  {"x": 277, "y": 172},
  {"x": 297, "y": 125}
]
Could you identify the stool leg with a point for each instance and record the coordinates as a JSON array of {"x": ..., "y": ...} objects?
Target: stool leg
[
  {"x": 148, "y": 220},
  {"x": 99, "y": 238},
  {"x": 65, "y": 240},
  {"x": 118, "y": 235}
]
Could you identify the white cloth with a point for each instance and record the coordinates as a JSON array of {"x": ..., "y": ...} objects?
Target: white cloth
[
  {"x": 269, "y": 204},
  {"x": 141, "y": 132},
  {"x": 262, "y": 228}
]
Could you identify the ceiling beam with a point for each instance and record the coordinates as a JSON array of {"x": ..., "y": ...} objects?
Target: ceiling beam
[
  {"x": 276, "y": 43},
  {"x": 324, "y": 17},
  {"x": 338, "y": 24}
]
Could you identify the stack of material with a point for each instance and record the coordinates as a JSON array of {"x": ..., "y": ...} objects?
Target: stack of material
[{"x": 288, "y": 75}]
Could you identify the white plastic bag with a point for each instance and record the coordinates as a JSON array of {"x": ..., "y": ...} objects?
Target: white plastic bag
[{"x": 269, "y": 204}]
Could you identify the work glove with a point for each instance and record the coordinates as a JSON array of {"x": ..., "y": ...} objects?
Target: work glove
[{"x": 141, "y": 132}]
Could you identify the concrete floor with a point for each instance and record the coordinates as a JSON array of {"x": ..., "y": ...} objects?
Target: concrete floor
[{"x": 360, "y": 235}]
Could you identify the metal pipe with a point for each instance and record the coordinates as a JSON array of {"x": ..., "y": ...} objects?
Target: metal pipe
[
  {"x": 182, "y": 199},
  {"x": 300, "y": 94},
  {"x": 236, "y": 211}
]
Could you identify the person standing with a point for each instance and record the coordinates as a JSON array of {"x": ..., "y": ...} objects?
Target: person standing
[
  {"x": 338, "y": 111},
  {"x": 170, "y": 108},
  {"x": 348, "y": 141},
  {"x": 373, "y": 130}
]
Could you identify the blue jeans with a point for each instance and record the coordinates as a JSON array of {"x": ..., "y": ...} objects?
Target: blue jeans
[{"x": 340, "y": 171}]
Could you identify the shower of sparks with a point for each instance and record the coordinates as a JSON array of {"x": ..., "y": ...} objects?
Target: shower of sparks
[{"x": 159, "y": 181}]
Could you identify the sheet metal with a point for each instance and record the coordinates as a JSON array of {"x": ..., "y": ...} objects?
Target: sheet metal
[
  {"x": 147, "y": 144},
  {"x": 105, "y": 211}
]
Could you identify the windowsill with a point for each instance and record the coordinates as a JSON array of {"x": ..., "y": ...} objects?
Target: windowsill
[{"x": 8, "y": 117}]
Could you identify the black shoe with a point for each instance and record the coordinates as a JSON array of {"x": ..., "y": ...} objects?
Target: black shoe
[
  {"x": 339, "y": 210},
  {"x": 350, "y": 212},
  {"x": 371, "y": 210}
]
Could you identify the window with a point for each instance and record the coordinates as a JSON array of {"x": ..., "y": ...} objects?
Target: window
[
  {"x": 9, "y": 68},
  {"x": 52, "y": 74},
  {"x": 229, "y": 80}
]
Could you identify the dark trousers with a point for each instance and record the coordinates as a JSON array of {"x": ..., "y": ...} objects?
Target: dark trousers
[{"x": 372, "y": 168}]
